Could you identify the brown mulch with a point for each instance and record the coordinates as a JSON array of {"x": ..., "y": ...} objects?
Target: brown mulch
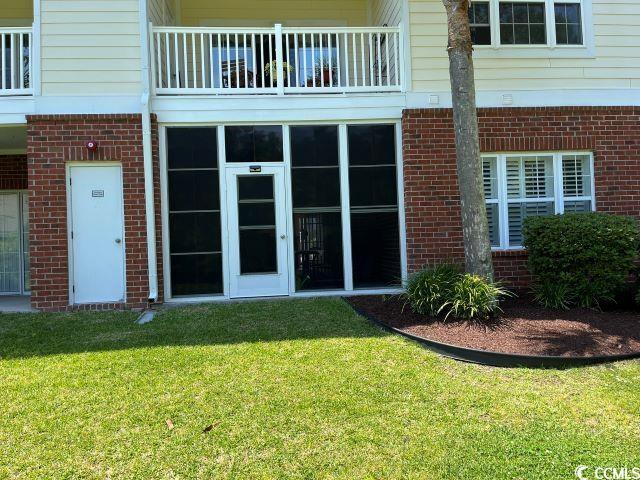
[{"x": 523, "y": 329}]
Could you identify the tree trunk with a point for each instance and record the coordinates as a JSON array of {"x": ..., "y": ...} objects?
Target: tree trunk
[{"x": 475, "y": 228}]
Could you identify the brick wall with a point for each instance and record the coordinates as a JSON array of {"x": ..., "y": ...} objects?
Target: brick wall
[
  {"x": 13, "y": 172},
  {"x": 434, "y": 232},
  {"x": 54, "y": 140}
]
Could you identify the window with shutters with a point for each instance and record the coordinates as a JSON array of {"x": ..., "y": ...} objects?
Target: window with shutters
[{"x": 520, "y": 185}]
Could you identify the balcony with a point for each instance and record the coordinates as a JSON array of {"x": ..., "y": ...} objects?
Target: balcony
[
  {"x": 276, "y": 61},
  {"x": 15, "y": 64}
]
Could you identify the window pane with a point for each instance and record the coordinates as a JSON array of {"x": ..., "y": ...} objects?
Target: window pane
[
  {"x": 577, "y": 207},
  {"x": 259, "y": 187},
  {"x": 372, "y": 145},
  {"x": 196, "y": 274},
  {"x": 576, "y": 175},
  {"x": 315, "y": 187},
  {"x": 318, "y": 251},
  {"x": 192, "y": 147},
  {"x": 522, "y": 23},
  {"x": 258, "y": 251},
  {"x": 373, "y": 186},
  {"x": 195, "y": 232},
  {"x": 530, "y": 177},
  {"x": 519, "y": 211},
  {"x": 493, "y": 216},
  {"x": 194, "y": 218},
  {"x": 254, "y": 144},
  {"x": 194, "y": 190},
  {"x": 256, "y": 214},
  {"x": 568, "y": 24},
  {"x": 479, "y": 23},
  {"x": 314, "y": 146},
  {"x": 375, "y": 242},
  {"x": 490, "y": 177}
]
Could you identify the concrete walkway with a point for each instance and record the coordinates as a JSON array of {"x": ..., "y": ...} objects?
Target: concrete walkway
[{"x": 15, "y": 304}]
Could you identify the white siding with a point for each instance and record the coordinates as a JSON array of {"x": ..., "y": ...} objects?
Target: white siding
[
  {"x": 616, "y": 63},
  {"x": 90, "y": 47},
  {"x": 162, "y": 12}
]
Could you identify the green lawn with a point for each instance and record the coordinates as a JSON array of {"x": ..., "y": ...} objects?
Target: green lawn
[{"x": 293, "y": 389}]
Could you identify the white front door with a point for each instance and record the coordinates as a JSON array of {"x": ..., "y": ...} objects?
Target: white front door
[
  {"x": 97, "y": 233},
  {"x": 257, "y": 232}
]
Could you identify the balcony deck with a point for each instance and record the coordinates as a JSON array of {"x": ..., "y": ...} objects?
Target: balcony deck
[{"x": 276, "y": 61}]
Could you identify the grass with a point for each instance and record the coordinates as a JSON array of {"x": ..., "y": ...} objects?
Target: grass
[{"x": 293, "y": 389}]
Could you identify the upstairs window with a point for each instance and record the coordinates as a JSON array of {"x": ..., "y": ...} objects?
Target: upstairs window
[
  {"x": 522, "y": 23},
  {"x": 537, "y": 23},
  {"x": 480, "y": 23},
  {"x": 518, "y": 186}
]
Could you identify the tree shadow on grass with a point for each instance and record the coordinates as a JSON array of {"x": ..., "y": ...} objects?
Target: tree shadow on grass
[{"x": 30, "y": 335}]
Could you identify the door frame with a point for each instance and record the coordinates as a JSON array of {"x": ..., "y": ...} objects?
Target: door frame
[
  {"x": 342, "y": 125},
  {"x": 70, "y": 252},
  {"x": 21, "y": 234}
]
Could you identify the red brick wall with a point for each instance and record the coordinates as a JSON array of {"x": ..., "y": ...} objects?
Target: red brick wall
[
  {"x": 13, "y": 172},
  {"x": 52, "y": 141},
  {"x": 431, "y": 191}
]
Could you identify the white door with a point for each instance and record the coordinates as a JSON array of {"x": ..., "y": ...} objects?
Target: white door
[
  {"x": 257, "y": 232},
  {"x": 97, "y": 234}
]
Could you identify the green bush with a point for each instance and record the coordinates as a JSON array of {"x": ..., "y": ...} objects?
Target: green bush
[
  {"x": 473, "y": 298},
  {"x": 553, "y": 294},
  {"x": 588, "y": 256},
  {"x": 429, "y": 289},
  {"x": 445, "y": 290}
]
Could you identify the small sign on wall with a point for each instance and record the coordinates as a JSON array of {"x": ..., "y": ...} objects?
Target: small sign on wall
[{"x": 97, "y": 193}]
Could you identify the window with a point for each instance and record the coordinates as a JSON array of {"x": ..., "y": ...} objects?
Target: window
[
  {"x": 536, "y": 23},
  {"x": 568, "y": 24},
  {"x": 257, "y": 144},
  {"x": 375, "y": 236},
  {"x": 518, "y": 186},
  {"x": 317, "y": 217},
  {"x": 195, "y": 236},
  {"x": 479, "y": 21},
  {"x": 522, "y": 23}
]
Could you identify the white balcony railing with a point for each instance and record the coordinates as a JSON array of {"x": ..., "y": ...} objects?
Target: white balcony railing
[
  {"x": 15, "y": 64},
  {"x": 276, "y": 60}
]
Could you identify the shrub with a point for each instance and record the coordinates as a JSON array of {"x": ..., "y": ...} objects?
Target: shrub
[
  {"x": 588, "y": 255},
  {"x": 553, "y": 295},
  {"x": 429, "y": 289},
  {"x": 474, "y": 298},
  {"x": 445, "y": 290}
]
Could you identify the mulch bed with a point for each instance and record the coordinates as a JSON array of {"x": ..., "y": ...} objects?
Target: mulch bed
[{"x": 524, "y": 328}]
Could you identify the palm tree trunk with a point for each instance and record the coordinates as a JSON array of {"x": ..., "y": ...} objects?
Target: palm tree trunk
[{"x": 475, "y": 228}]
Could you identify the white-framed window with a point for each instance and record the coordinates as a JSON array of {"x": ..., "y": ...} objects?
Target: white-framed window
[
  {"x": 531, "y": 23},
  {"x": 521, "y": 185}
]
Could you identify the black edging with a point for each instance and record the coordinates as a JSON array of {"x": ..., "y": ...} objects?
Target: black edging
[{"x": 497, "y": 359}]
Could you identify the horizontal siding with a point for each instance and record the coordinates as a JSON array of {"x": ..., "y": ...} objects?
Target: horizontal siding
[
  {"x": 90, "y": 47},
  {"x": 162, "y": 12},
  {"x": 269, "y": 12},
  {"x": 616, "y": 64}
]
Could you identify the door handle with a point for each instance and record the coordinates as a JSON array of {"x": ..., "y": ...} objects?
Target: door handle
[
  {"x": 118, "y": 241},
  {"x": 283, "y": 236}
]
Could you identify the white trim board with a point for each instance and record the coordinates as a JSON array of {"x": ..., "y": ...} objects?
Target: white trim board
[
  {"x": 532, "y": 98},
  {"x": 263, "y": 108}
]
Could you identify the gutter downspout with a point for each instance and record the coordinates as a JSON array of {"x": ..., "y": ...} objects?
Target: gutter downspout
[{"x": 148, "y": 152}]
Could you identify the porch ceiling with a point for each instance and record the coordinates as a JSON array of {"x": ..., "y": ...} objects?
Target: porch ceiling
[
  {"x": 258, "y": 13},
  {"x": 13, "y": 139}
]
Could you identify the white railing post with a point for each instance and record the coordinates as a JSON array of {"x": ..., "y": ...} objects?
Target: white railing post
[{"x": 279, "y": 60}]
